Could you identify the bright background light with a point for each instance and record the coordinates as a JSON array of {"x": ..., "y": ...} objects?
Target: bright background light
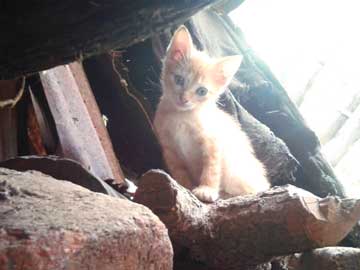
[{"x": 307, "y": 39}]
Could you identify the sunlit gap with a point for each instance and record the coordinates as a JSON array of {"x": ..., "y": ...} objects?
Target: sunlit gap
[{"x": 313, "y": 48}]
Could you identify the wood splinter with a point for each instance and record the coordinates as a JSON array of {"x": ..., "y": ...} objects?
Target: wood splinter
[{"x": 246, "y": 230}]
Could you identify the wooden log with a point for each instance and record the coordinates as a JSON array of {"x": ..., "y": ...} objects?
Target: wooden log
[
  {"x": 329, "y": 258},
  {"x": 38, "y": 35},
  {"x": 246, "y": 231}
]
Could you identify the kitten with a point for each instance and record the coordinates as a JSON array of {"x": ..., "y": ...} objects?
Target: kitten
[{"x": 204, "y": 148}]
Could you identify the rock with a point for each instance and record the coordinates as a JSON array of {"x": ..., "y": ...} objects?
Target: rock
[
  {"x": 51, "y": 224},
  {"x": 61, "y": 168}
]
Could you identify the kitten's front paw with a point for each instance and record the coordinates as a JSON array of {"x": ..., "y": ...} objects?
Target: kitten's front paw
[{"x": 206, "y": 194}]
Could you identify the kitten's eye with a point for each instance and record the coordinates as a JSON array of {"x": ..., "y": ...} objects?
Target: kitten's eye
[
  {"x": 179, "y": 80},
  {"x": 201, "y": 91}
]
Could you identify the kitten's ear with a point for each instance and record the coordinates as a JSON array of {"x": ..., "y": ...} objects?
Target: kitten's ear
[
  {"x": 181, "y": 45},
  {"x": 224, "y": 69}
]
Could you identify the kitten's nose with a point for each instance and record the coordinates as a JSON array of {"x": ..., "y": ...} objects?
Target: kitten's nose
[{"x": 183, "y": 99}]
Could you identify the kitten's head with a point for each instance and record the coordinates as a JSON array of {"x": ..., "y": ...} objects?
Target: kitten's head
[{"x": 190, "y": 78}]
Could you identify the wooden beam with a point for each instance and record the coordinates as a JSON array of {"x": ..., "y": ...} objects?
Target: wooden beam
[
  {"x": 10, "y": 93},
  {"x": 38, "y": 35}
]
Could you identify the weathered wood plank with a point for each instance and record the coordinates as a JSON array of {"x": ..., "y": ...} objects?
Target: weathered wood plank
[
  {"x": 96, "y": 119},
  {"x": 78, "y": 138}
]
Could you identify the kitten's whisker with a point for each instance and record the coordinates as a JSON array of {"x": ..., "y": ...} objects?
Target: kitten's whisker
[{"x": 221, "y": 104}]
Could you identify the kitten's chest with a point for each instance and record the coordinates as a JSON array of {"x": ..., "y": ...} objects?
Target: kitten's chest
[{"x": 187, "y": 138}]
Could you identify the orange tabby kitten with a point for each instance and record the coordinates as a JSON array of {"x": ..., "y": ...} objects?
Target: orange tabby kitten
[{"x": 205, "y": 148}]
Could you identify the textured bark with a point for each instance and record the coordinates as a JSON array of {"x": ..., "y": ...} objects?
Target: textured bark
[
  {"x": 38, "y": 35},
  {"x": 330, "y": 258},
  {"x": 51, "y": 224},
  {"x": 245, "y": 231}
]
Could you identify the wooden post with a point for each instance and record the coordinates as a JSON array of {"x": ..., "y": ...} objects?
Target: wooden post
[{"x": 10, "y": 93}]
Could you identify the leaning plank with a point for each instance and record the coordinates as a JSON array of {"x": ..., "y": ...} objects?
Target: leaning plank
[
  {"x": 245, "y": 231},
  {"x": 96, "y": 118},
  {"x": 78, "y": 138},
  {"x": 37, "y": 35},
  {"x": 48, "y": 224}
]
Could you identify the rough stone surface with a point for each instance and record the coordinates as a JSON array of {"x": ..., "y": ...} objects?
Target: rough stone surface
[{"x": 50, "y": 224}]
